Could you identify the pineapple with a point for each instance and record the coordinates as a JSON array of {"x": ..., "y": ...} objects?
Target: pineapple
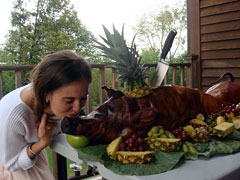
[
  {"x": 201, "y": 135},
  {"x": 126, "y": 61},
  {"x": 165, "y": 144},
  {"x": 138, "y": 157},
  {"x": 223, "y": 129}
]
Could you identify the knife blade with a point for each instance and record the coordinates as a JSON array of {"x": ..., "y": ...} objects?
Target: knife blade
[{"x": 162, "y": 66}]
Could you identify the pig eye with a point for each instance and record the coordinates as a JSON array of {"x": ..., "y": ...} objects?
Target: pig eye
[
  {"x": 100, "y": 115},
  {"x": 109, "y": 112},
  {"x": 110, "y": 108}
]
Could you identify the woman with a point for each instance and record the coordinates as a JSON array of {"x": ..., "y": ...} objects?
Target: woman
[{"x": 59, "y": 88}]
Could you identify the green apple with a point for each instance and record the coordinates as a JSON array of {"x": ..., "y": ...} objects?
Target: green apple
[{"x": 77, "y": 141}]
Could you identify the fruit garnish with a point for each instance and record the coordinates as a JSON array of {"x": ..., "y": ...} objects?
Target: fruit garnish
[
  {"x": 201, "y": 135},
  {"x": 77, "y": 141},
  {"x": 200, "y": 116},
  {"x": 198, "y": 121},
  {"x": 113, "y": 147},
  {"x": 220, "y": 119},
  {"x": 189, "y": 130},
  {"x": 126, "y": 60},
  {"x": 223, "y": 129},
  {"x": 127, "y": 157},
  {"x": 164, "y": 144},
  {"x": 188, "y": 148},
  {"x": 180, "y": 133},
  {"x": 236, "y": 124},
  {"x": 134, "y": 143}
]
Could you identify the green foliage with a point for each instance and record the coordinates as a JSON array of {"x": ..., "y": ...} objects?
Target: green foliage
[
  {"x": 96, "y": 87},
  {"x": 8, "y": 79},
  {"x": 50, "y": 25},
  {"x": 153, "y": 28},
  {"x": 150, "y": 55}
]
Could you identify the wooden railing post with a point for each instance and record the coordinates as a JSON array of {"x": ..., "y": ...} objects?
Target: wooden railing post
[
  {"x": 147, "y": 80},
  {"x": 18, "y": 78},
  {"x": 54, "y": 163},
  {"x": 101, "y": 83},
  {"x": 166, "y": 80},
  {"x": 89, "y": 99},
  {"x": 194, "y": 73},
  {"x": 174, "y": 70},
  {"x": 182, "y": 76},
  {"x": 189, "y": 76},
  {"x": 114, "y": 77}
]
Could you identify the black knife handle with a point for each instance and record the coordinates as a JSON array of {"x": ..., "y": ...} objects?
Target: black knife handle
[{"x": 168, "y": 43}]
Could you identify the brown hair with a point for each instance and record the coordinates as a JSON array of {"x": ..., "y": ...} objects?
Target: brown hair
[{"x": 55, "y": 70}]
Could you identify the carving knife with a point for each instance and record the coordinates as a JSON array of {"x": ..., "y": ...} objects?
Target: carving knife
[{"x": 162, "y": 66}]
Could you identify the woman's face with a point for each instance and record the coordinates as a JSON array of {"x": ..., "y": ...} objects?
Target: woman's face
[{"x": 68, "y": 100}]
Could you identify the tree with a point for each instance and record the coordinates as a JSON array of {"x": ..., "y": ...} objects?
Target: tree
[
  {"x": 150, "y": 55},
  {"x": 50, "y": 25},
  {"x": 153, "y": 28}
]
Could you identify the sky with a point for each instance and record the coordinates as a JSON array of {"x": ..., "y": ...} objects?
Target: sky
[{"x": 95, "y": 13}]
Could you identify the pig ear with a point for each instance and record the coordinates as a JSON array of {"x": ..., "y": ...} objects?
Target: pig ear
[
  {"x": 108, "y": 90},
  {"x": 112, "y": 92}
]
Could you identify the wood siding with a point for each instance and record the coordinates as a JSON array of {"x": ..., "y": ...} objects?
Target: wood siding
[{"x": 218, "y": 28}]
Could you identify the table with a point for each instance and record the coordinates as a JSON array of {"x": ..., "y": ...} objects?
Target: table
[{"x": 225, "y": 167}]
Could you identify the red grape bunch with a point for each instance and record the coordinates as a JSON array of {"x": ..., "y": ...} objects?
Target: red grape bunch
[
  {"x": 134, "y": 143},
  {"x": 180, "y": 133}
]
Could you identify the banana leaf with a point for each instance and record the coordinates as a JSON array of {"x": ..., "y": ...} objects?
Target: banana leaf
[
  {"x": 234, "y": 135},
  {"x": 163, "y": 162},
  {"x": 91, "y": 153}
]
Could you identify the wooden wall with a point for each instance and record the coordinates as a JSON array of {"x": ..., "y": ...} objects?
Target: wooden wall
[{"x": 214, "y": 35}]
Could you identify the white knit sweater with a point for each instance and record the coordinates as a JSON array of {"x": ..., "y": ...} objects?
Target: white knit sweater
[{"x": 17, "y": 131}]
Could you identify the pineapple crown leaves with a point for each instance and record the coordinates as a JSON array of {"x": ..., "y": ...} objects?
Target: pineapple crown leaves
[
  {"x": 115, "y": 48},
  {"x": 125, "y": 59}
]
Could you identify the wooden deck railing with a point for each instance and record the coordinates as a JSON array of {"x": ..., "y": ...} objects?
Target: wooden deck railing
[{"x": 184, "y": 69}]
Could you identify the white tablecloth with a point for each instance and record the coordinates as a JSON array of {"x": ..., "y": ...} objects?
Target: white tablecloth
[{"x": 226, "y": 167}]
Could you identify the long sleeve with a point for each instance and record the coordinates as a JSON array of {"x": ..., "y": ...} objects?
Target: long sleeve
[{"x": 18, "y": 133}]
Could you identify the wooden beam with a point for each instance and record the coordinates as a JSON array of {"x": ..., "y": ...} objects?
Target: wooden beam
[
  {"x": 220, "y": 9},
  {"x": 114, "y": 77},
  {"x": 89, "y": 99},
  {"x": 101, "y": 83},
  {"x": 18, "y": 78},
  {"x": 221, "y": 36},
  {"x": 193, "y": 14},
  {"x": 209, "y": 3},
  {"x": 221, "y": 27}
]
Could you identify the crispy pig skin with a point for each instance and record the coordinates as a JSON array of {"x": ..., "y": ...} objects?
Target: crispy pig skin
[{"x": 168, "y": 106}]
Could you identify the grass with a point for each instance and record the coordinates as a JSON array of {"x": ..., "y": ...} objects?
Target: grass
[{"x": 69, "y": 171}]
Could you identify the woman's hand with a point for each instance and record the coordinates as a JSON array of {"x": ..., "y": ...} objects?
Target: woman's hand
[
  {"x": 44, "y": 134},
  {"x": 45, "y": 131}
]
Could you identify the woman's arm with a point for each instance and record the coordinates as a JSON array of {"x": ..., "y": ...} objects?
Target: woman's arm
[{"x": 45, "y": 134}]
